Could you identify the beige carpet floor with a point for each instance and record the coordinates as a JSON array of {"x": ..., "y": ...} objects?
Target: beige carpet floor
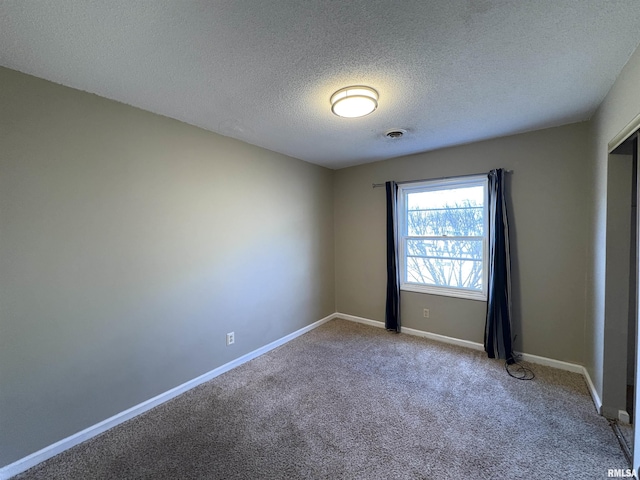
[{"x": 349, "y": 401}]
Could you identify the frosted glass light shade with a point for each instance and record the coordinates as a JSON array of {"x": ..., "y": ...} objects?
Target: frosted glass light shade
[{"x": 354, "y": 102}]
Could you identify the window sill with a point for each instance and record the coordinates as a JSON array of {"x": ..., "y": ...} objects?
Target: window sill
[{"x": 445, "y": 292}]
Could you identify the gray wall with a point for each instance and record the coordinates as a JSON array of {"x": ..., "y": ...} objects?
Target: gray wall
[
  {"x": 549, "y": 190},
  {"x": 129, "y": 245},
  {"x": 603, "y": 345}
]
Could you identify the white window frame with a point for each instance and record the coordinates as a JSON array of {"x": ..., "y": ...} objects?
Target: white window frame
[{"x": 401, "y": 215}]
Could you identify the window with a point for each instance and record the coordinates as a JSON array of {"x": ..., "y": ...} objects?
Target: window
[{"x": 442, "y": 230}]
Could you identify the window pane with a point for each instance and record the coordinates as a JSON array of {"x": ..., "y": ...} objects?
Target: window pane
[
  {"x": 446, "y": 262},
  {"x": 453, "y": 211},
  {"x": 445, "y": 273},
  {"x": 446, "y": 197}
]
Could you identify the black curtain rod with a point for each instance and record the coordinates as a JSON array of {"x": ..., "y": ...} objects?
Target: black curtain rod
[{"x": 376, "y": 185}]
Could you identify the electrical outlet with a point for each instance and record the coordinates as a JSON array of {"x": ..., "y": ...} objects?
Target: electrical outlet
[
  {"x": 425, "y": 313},
  {"x": 231, "y": 338}
]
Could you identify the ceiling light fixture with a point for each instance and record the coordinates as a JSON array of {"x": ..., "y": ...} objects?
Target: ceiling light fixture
[{"x": 354, "y": 102}]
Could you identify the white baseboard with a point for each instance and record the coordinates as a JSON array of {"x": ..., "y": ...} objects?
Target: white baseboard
[
  {"x": 353, "y": 318},
  {"x": 35, "y": 458},
  {"x": 592, "y": 389},
  {"x": 548, "y": 362},
  {"x": 444, "y": 339},
  {"x": 414, "y": 332}
]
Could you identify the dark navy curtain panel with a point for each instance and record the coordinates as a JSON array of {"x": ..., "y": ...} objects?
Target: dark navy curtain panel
[
  {"x": 497, "y": 335},
  {"x": 392, "y": 313}
]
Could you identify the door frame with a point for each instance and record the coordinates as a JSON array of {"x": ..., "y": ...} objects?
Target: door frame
[{"x": 629, "y": 130}]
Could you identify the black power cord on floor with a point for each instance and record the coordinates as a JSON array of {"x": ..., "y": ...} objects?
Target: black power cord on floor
[{"x": 517, "y": 370}]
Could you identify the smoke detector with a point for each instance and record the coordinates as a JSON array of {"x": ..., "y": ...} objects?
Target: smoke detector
[{"x": 395, "y": 133}]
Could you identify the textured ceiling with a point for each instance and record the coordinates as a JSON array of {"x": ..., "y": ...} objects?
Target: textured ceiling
[{"x": 262, "y": 71}]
